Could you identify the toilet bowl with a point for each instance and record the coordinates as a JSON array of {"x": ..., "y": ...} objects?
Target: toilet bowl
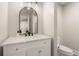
[{"x": 63, "y": 50}]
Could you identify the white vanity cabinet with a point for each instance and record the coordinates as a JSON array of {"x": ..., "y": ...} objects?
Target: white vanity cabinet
[{"x": 31, "y": 48}]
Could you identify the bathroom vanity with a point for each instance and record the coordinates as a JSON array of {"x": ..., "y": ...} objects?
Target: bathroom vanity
[
  {"x": 28, "y": 42},
  {"x": 37, "y": 45}
]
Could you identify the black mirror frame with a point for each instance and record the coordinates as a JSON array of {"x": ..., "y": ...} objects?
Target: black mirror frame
[{"x": 20, "y": 13}]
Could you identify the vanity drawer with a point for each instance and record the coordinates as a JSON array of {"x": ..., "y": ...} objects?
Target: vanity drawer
[
  {"x": 24, "y": 46},
  {"x": 39, "y": 51},
  {"x": 14, "y": 48}
]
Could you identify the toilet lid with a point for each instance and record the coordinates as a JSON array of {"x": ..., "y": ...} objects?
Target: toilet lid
[{"x": 64, "y": 48}]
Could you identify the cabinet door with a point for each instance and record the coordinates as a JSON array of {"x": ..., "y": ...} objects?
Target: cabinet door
[{"x": 39, "y": 51}]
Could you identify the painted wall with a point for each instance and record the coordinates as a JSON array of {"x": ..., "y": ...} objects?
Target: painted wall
[
  {"x": 3, "y": 22},
  {"x": 13, "y": 17},
  {"x": 49, "y": 24},
  {"x": 48, "y": 18},
  {"x": 71, "y": 25},
  {"x": 13, "y": 12},
  {"x": 59, "y": 22}
]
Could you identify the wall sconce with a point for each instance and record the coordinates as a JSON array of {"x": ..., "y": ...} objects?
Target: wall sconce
[
  {"x": 36, "y": 4},
  {"x": 29, "y": 5}
]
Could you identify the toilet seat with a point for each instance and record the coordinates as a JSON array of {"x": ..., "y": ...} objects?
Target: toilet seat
[{"x": 65, "y": 50}]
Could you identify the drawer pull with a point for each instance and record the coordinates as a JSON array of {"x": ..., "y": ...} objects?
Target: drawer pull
[
  {"x": 44, "y": 42},
  {"x": 17, "y": 49},
  {"x": 39, "y": 51}
]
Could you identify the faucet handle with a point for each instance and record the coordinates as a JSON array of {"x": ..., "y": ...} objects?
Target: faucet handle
[
  {"x": 27, "y": 31},
  {"x": 32, "y": 34},
  {"x": 25, "y": 34}
]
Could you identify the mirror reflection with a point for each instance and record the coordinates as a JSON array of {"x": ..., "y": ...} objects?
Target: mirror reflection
[{"x": 28, "y": 20}]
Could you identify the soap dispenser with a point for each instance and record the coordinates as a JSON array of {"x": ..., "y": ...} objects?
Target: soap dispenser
[{"x": 19, "y": 32}]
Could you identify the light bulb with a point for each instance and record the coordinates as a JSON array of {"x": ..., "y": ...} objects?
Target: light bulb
[
  {"x": 36, "y": 4},
  {"x": 29, "y": 4}
]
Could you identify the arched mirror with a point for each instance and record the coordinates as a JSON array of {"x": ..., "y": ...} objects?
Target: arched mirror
[{"x": 28, "y": 20}]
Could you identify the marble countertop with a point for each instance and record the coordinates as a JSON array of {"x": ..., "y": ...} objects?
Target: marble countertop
[{"x": 22, "y": 39}]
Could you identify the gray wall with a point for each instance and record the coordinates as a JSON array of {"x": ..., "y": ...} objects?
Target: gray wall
[
  {"x": 50, "y": 24},
  {"x": 48, "y": 18},
  {"x": 3, "y": 22},
  {"x": 59, "y": 22},
  {"x": 68, "y": 24},
  {"x": 71, "y": 25},
  {"x": 13, "y": 17}
]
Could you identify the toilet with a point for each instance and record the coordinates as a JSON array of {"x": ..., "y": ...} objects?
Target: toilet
[{"x": 63, "y": 50}]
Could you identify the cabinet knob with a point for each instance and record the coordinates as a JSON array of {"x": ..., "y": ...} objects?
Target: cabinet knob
[
  {"x": 39, "y": 51},
  {"x": 44, "y": 42},
  {"x": 17, "y": 49}
]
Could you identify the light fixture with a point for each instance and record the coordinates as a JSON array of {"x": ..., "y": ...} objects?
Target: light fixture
[
  {"x": 36, "y": 4},
  {"x": 29, "y": 5}
]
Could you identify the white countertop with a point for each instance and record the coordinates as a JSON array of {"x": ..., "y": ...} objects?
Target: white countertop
[{"x": 21, "y": 39}]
